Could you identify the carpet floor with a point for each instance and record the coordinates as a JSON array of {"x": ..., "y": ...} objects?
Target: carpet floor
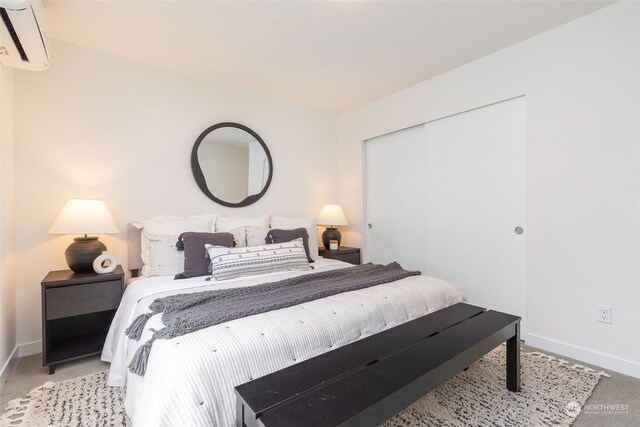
[{"x": 476, "y": 397}]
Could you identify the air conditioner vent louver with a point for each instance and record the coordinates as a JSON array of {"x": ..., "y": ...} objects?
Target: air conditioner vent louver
[
  {"x": 22, "y": 39},
  {"x": 12, "y": 33}
]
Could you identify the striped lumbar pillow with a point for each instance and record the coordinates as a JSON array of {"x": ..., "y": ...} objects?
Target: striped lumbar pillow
[{"x": 229, "y": 263}]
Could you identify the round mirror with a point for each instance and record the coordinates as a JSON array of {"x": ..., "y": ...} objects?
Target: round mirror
[{"x": 231, "y": 164}]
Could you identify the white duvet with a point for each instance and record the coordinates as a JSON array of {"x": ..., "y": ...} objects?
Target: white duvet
[{"x": 190, "y": 379}]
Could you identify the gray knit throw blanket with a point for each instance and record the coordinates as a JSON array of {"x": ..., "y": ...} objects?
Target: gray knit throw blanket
[{"x": 186, "y": 313}]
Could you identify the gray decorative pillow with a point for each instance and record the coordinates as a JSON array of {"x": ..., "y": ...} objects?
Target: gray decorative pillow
[
  {"x": 276, "y": 235},
  {"x": 196, "y": 258}
]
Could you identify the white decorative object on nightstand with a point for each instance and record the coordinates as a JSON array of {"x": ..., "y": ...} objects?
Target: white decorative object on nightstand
[{"x": 104, "y": 263}]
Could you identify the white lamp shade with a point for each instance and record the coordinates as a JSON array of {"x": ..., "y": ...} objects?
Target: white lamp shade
[
  {"x": 332, "y": 215},
  {"x": 80, "y": 216}
]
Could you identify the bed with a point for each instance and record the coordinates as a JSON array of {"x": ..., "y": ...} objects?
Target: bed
[{"x": 190, "y": 379}]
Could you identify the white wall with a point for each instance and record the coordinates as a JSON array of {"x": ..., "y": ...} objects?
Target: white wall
[
  {"x": 582, "y": 86},
  {"x": 7, "y": 265},
  {"x": 97, "y": 126}
]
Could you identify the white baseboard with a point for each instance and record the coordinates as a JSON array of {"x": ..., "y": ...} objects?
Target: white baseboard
[
  {"x": 4, "y": 371},
  {"x": 20, "y": 350},
  {"x": 29, "y": 348},
  {"x": 605, "y": 361}
]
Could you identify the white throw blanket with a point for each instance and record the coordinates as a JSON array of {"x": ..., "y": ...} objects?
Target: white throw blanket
[{"x": 190, "y": 379}]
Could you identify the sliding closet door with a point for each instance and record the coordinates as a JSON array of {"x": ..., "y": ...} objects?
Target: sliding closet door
[
  {"x": 395, "y": 176},
  {"x": 475, "y": 198},
  {"x": 467, "y": 202}
]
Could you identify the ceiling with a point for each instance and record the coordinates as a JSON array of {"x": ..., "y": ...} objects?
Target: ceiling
[{"x": 332, "y": 56}]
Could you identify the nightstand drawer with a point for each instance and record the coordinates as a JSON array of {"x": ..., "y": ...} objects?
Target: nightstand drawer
[
  {"x": 86, "y": 298},
  {"x": 352, "y": 258},
  {"x": 344, "y": 254}
]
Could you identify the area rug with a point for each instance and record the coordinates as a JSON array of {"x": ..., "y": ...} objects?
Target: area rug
[{"x": 553, "y": 391}]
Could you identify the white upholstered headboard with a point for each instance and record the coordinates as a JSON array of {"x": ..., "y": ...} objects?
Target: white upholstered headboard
[{"x": 134, "y": 249}]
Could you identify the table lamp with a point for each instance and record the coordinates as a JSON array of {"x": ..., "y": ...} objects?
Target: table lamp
[
  {"x": 80, "y": 216},
  {"x": 330, "y": 216}
]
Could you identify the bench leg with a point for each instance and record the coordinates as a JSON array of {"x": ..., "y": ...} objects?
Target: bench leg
[{"x": 513, "y": 360}]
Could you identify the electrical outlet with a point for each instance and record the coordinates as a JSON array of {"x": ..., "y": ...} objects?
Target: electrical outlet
[{"x": 604, "y": 313}]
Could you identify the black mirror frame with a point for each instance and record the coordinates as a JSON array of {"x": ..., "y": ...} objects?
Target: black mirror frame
[{"x": 199, "y": 176}]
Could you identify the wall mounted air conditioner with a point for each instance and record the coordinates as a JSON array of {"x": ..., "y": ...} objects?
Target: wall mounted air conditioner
[{"x": 22, "y": 39}]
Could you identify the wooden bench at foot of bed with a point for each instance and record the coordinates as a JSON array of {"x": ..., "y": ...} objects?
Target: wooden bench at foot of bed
[{"x": 368, "y": 381}]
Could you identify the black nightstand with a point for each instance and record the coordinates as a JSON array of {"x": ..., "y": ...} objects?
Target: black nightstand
[
  {"x": 343, "y": 253},
  {"x": 77, "y": 310}
]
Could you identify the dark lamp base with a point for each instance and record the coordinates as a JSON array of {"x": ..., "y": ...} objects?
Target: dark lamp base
[
  {"x": 82, "y": 252},
  {"x": 331, "y": 233}
]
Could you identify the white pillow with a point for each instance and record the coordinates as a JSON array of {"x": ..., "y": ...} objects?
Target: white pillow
[
  {"x": 307, "y": 222},
  {"x": 239, "y": 236},
  {"x": 256, "y": 235},
  {"x": 163, "y": 259},
  {"x": 166, "y": 225},
  {"x": 229, "y": 263},
  {"x": 226, "y": 223}
]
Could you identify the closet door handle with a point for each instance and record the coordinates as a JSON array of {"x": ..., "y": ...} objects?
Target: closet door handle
[
  {"x": 518, "y": 230},
  {"x": 369, "y": 225}
]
